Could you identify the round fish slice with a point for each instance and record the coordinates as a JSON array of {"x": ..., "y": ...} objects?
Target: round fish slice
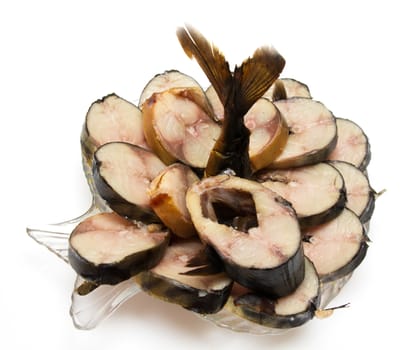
[
  {"x": 313, "y": 132},
  {"x": 352, "y": 145},
  {"x": 316, "y": 192},
  {"x": 185, "y": 276},
  {"x": 254, "y": 231},
  {"x": 108, "y": 249},
  {"x": 122, "y": 174},
  {"x": 336, "y": 248}
]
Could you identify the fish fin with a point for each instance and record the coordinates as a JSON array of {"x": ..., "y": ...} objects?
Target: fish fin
[
  {"x": 324, "y": 313},
  {"x": 203, "y": 270},
  {"x": 202, "y": 264},
  {"x": 209, "y": 57},
  {"x": 279, "y": 92},
  {"x": 86, "y": 287},
  {"x": 199, "y": 259},
  {"x": 255, "y": 75}
]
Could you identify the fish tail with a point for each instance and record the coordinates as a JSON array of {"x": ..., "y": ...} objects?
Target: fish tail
[
  {"x": 209, "y": 58},
  {"x": 255, "y": 75}
]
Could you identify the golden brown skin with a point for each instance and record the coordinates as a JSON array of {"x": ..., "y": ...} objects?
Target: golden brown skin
[
  {"x": 178, "y": 126},
  {"x": 167, "y": 194}
]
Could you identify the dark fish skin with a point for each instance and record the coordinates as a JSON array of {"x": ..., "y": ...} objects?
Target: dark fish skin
[
  {"x": 237, "y": 91},
  {"x": 186, "y": 296},
  {"x": 367, "y": 159},
  {"x": 270, "y": 281},
  {"x": 119, "y": 271},
  {"x": 370, "y": 208}
]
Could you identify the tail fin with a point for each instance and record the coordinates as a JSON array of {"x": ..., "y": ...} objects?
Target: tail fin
[
  {"x": 247, "y": 83},
  {"x": 210, "y": 59},
  {"x": 237, "y": 91},
  {"x": 255, "y": 75}
]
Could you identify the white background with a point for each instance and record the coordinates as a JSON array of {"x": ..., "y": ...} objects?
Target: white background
[{"x": 57, "y": 57}]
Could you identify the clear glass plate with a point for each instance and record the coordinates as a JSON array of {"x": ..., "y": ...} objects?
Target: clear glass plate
[{"x": 88, "y": 310}]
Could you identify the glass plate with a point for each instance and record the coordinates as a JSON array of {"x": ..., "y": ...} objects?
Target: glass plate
[{"x": 88, "y": 310}]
